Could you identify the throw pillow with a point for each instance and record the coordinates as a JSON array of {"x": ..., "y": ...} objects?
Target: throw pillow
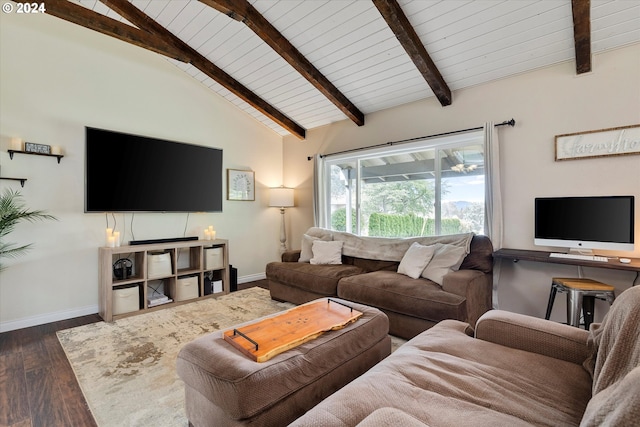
[
  {"x": 326, "y": 252},
  {"x": 416, "y": 259},
  {"x": 305, "y": 248},
  {"x": 447, "y": 258}
]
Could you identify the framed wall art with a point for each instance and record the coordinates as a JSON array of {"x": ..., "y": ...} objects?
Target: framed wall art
[
  {"x": 598, "y": 143},
  {"x": 240, "y": 185}
]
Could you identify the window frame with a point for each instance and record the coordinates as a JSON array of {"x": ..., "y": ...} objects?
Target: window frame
[{"x": 436, "y": 143}]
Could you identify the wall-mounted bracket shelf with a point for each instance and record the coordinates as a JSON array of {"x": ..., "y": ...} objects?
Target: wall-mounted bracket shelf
[
  {"x": 22, "y": 180},
  {"x": 58, "y": 156}
]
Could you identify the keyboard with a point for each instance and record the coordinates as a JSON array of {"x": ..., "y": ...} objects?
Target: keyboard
[{"x": 581, "y": 257}]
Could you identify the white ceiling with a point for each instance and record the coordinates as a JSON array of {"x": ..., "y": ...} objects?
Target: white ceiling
[{"x": 470, "y": 41}]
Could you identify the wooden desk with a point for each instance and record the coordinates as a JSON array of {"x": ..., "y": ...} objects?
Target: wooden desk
[{"x": 542, "y": 256}]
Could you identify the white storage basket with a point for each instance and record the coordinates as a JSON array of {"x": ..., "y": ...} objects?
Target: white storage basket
[
  {"x": 126, "y": 300},
  {"x": 214, "y": 259},
  {"x": 158, "y": 265},
  {"x": 187, "y": 288}
]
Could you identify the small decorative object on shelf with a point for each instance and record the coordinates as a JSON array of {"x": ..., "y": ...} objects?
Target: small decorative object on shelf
[{"x": 30, "y": 147}]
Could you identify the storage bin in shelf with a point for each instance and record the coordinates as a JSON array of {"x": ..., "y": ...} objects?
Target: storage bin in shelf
[
  {"x": 159, "y": 265},
  {"x": 214, "y": 258},
  {"x": 126, "y": 299},
  {"x": 187, "y": 288}
]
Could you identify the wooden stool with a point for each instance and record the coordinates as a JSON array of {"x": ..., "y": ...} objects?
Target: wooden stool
[{"x": 581, "y": 295}]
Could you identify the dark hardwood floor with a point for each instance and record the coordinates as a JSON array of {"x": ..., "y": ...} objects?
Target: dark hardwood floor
[{"x": 37, "y": 385}]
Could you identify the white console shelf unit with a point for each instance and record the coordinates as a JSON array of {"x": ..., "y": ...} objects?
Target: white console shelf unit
[{"x": 188, "y": 260}]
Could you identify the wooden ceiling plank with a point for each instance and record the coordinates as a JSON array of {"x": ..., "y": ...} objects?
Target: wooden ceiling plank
[
  {"x": 581, "y": 10},
  {"x": 140, "y": 19},
  {"x": 246, "y": 13},
  {"x": 87, "y": 18},
  {"x": 406, "y": 35}
]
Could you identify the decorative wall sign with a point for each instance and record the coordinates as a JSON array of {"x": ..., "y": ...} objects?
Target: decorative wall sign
[
  {"x": 30, "y": 147},
  {"x": 240, "y": 185},
  {"x": 598, "y": 143}
]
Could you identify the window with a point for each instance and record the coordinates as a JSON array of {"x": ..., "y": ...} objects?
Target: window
[{"x": 421, "y": 188}]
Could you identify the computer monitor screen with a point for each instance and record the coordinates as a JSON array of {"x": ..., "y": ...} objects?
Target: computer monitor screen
[{"x": 599, "y": 222}]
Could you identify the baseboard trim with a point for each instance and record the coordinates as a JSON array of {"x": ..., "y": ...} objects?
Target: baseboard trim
[
  {"x": 252, "y": 278},
  {"x": 42, "y": 319}
]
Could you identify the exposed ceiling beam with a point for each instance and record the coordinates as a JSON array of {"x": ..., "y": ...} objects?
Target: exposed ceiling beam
[
  {"x": 242, "y": 11},
  {"x": 582, "y": 34},
  {"x": 94, "y": 21},
  {"x": 406, "y": 34},
  {"x": 140, "y": 19}
]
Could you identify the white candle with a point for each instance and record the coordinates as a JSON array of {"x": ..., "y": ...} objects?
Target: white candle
[
  {"x": 111, "y": 242},
  {"x": 213, "y": 235},
  {"x": 108, "y": 233},
  {"x": 116, "y": 238},
  {"x": 207, "y": 234}
]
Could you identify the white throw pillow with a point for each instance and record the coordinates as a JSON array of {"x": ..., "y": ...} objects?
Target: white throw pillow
[
  {"x": 416, "y": 259},
  {"x": 447, "y": 258},
  {"x": 305, "y": 248},
  {"x": 326, "y": 252}
]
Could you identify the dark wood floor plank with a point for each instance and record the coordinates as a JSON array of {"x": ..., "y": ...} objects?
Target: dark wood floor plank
[
  {"x": 14, "y": 404},
  {"x": 10, "y": 342},
  {"x": 45, "y": 400},
  {"x": 70, "y": 391}
]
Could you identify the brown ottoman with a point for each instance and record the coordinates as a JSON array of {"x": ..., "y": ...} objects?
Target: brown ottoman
[{"x": 225, "y": 388}]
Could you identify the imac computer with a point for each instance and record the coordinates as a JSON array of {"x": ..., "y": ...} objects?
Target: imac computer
[{"x": 583, "y": 224}]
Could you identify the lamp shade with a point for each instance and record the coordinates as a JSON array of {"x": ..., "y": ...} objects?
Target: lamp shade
[{"x": 281, "y": 197}]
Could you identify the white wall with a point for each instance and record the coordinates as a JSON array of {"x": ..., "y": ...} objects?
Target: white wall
[
  {"x": 57, "y": 78},
  {"x": 544, "y": 103}
]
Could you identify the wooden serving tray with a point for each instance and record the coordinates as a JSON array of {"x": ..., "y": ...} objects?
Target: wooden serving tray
[{"x": 266, "y": 338}]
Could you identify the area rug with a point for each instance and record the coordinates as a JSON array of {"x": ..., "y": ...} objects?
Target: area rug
[{"x": 126, "y": 369}]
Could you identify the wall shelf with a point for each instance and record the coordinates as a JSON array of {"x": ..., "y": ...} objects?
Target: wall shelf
[
  {"x": 22, "y": 180},
  {"x": 12, "y": 152}
]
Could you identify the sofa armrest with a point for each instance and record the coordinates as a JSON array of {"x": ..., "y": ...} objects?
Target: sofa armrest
[
  {"x": 475, "y": 286},
  {"x": 291, "y": 256},
  {"x": 533, "y": 335}
]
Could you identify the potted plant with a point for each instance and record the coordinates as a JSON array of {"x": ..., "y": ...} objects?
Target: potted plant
[{"x": 12, "y": 211}]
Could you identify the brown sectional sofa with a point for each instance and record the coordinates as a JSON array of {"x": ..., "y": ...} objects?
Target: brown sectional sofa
[
  {"x": 368, "y": 275},
  {"x": 512, "y": 370}
]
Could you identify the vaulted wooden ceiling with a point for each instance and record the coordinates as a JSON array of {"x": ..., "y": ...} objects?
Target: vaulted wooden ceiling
[{"x": 298, "y": 64}]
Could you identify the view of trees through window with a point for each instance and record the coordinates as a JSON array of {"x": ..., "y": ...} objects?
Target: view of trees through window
[{"x": 409, "y": 194}]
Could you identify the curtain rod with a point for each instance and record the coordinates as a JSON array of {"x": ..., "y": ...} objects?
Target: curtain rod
[{"x": 511, "y": 122}]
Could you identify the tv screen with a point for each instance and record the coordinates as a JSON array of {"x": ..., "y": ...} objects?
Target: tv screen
[
  {"x": 600, "y": 222},
  {"x": 131, "y": 173}
]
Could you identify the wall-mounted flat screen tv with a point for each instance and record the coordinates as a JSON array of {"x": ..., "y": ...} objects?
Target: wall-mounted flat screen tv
[
  {"x": 599, "y": 222},
  {"x": 132, "y": 173}
]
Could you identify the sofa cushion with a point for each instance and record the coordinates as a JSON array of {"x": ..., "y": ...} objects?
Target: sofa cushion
[
  {"x": 445, "y": 377},
  {"x": 395, "y": 292},
  {"x": 480, "y": 256},
  {"x": 322, "y": 278}
]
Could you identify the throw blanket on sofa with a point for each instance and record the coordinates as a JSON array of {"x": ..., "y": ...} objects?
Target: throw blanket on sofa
[
  {"x": 615, "y": 364},
  {"x": 384, "y": 248}
]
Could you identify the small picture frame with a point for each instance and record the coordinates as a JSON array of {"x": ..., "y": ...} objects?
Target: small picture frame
[
  {"x": 31, "y": 147},
  {"x": 240, "y": 185}
]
